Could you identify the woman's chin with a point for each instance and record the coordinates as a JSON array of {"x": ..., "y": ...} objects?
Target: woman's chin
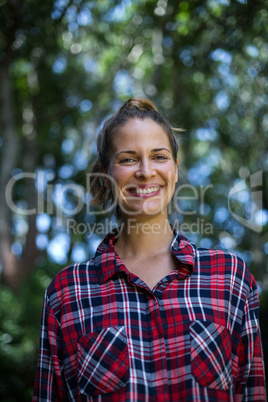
[{"x": 150, "y": 209}]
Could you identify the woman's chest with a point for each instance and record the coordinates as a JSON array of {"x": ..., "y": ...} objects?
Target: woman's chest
[{"x": 122, "y": 325}]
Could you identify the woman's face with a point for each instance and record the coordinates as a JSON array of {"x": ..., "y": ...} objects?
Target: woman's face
[{"x": 143, "y": 169}]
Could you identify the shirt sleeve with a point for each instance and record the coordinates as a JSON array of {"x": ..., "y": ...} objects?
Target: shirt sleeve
[
  {"x": 49, "y": 381},
  {"x": 251, "y": 375}
]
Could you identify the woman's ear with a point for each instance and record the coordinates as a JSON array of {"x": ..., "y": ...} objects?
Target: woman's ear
[{"x": 106, "y": 180}]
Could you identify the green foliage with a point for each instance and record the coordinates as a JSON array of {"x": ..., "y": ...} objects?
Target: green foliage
[{"x": 20, "y": 317}]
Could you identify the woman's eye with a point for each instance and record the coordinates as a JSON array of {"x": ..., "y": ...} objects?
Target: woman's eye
[
  {"x": 127, "y": 160},
  {"x": 160, "y": 157}
]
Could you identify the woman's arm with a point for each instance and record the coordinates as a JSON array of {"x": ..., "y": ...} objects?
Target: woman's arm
[
  {"x": 49, "y": 381},
  {"x": 251, "y": 375}
]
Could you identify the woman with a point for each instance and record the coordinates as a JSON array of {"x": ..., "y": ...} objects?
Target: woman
[{"x": 151, "y": 317}]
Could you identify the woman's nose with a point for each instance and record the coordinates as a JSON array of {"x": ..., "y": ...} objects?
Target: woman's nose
[{"x": 145, "y": 170}]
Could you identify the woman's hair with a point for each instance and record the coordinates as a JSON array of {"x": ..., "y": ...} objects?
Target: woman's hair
[{"x": 141, "y": 108}]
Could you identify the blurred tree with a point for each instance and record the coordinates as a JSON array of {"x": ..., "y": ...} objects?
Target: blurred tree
[
  {"x": 40, "y": 99},
  {"x": 65, "y": 65},
  {"x": 21, "y": 52}
]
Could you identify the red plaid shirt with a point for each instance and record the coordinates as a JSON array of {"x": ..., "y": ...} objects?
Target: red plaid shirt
[{"x": 106, "y": 336}]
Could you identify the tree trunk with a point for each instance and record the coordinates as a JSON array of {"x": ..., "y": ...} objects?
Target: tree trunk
[{"x": 10, "y": 147}]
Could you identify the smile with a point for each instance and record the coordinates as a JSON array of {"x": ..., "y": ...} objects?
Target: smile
[{"x": 148, "y": 190}]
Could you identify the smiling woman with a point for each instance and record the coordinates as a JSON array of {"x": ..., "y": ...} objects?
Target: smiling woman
[
  {"x": 137, "y": 124},
  {"x": 152, "y": 317},
  {"x": 142, "y": 168}
]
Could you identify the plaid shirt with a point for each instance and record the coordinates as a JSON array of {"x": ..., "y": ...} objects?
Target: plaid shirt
[{"x": 106, "y": 336}]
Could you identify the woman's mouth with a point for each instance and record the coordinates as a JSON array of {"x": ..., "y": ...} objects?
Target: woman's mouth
[{"x": 138, "y": 191}]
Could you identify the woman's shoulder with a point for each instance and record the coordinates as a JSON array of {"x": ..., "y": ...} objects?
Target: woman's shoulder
[
  {"x": 225, "y": 262},
  {"x": 81, "y": 274},
  {"x": 72, "y": 277}
]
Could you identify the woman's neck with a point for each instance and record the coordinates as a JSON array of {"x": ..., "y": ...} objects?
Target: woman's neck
[{"x": 144, "y": 238}]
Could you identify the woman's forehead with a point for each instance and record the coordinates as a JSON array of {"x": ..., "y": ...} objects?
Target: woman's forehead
[{"x": 143, "y": 132}]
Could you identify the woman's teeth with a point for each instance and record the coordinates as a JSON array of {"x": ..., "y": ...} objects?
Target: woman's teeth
[{"x": 145, "y": 190}]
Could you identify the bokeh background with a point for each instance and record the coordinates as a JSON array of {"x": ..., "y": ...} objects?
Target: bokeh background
[{"x": 67, "y": 65}]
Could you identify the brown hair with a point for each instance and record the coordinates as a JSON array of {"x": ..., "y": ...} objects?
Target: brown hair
[{"x": 134, "y": 107}]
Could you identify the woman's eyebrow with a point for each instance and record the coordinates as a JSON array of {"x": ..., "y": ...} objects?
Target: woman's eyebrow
[
  {"x": 133, "y": 152},
  {"x": 125, "y": 152},
  {"x": 160, "y": 149}
]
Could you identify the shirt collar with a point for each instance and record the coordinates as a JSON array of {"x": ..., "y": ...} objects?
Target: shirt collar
[{"x": 107, "y": 262}]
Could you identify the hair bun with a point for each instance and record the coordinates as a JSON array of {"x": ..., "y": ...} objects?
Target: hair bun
[{"x": 139, "y": 103}]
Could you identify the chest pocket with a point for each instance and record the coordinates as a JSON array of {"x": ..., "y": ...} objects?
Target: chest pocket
[
  {"x": 211, "y": 355},
  {"x": 102, "y": 361}
]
